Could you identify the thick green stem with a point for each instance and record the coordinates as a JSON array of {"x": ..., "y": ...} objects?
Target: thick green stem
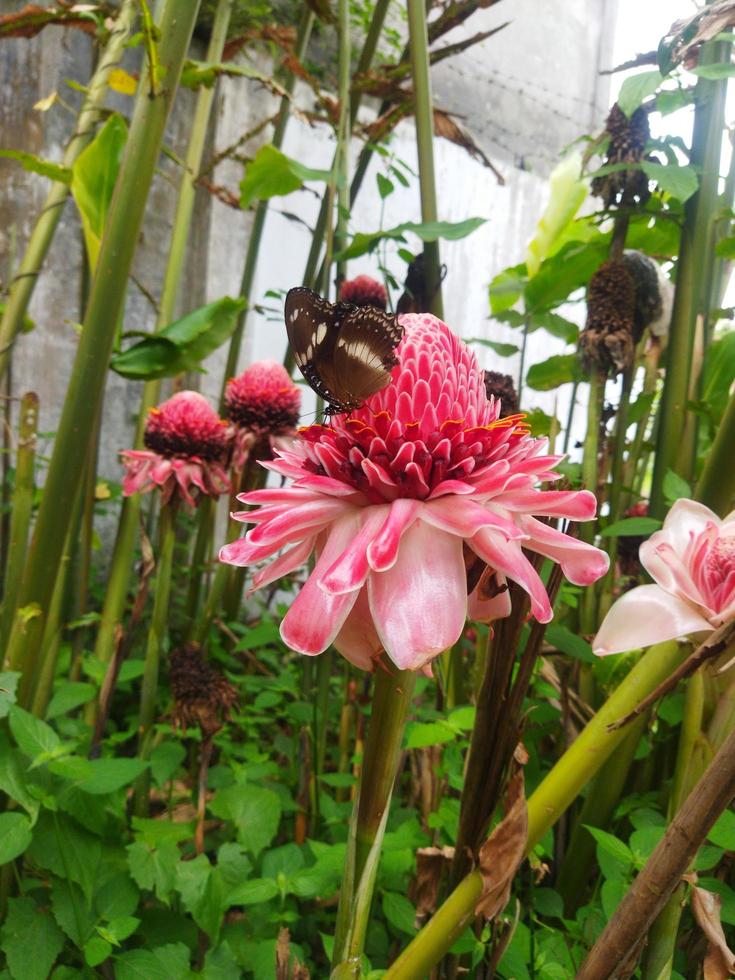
[
  {"x": 342, "y": 156},
  {"x": 391, "y": 701},
  {"x": 106, "y": 299},
  {"x": 590, "y": 480},
  {"x": 716, "y": 486},
  {"x": 576, "y": 767},
  {"x": 424, "y": 111},
  {"x": 22, "y": 286},
  {"x": 200, "y": 555},
  {"x": 21, "y": 509},
  {"x": 155, "y": 644},
  {"x": 692, "y": 289}
]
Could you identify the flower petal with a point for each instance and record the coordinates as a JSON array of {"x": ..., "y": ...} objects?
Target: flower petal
[
  {"x": 578, "y": 505},
  {"x": 358, "y": 640},
  {"x": 644, "y": 616},
  {"x": 286, "y": 563},
  {"x": 351, "y": 569},
  {"x": 508, "y": 559},
  {"x": 383, "y": 550},
  {"x": 581, "y": 563},
  {"x": 419, "y": 605}
]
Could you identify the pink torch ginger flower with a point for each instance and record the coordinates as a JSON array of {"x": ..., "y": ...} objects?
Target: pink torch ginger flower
[
  {"x": 387, "y": 495},
  {"x": 364, "y": 291},
  {"x": 263, "y": 403},
  {"x": 187, "y": 445},
  {"x": 692, "y": 560}
]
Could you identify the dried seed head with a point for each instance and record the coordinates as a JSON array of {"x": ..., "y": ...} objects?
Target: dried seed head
[
  {"x": 607, "y": 342},
  {"x": 648, "y": 298},
  {"x": 501, "y": 386},
  {"x": 628, "y": 139},
  {"x": 203, "y": 698}
]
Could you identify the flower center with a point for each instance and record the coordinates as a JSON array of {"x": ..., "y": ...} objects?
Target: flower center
[{"x": 719, "y": 572}]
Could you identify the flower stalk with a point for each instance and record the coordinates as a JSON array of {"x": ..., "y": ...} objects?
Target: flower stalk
[
  {"x": 22, "y": 286},
  {"x": 546, "y": 804},
  {"x": 716, "y": 486},
  {"x": 391, "y": 702}
]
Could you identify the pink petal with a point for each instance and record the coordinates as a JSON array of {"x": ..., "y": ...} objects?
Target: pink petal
[
  {"x": 358, "y": 641},
  {"x": 315, "y": 616},
  {"x": 290, "y": 525},
  {"x": 488, "y": 610},
  {"x": 288, "y": 561},
  {"x": 644, "y": 616},
  {"x": 419, "y": 605},
  {"x": 351, "y": 569},
  {"x": 581, "y": 563},
  {"x": 578, "y": 505},
  {"x": 508, "y": 559},
  {"x": 686, "y": 519},
  {"x": 465, "y": 517},
  {"x": 383, "y": 550}
]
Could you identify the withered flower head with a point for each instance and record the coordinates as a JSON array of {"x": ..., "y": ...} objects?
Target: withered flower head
[
  {"x": 502, "y": 387},
  {"x": 628, "y": 139},
  {"x": 203, "y": 698},
  {"x": 607, "y": 342}
]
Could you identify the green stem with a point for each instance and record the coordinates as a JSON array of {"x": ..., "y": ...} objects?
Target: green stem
[
  {"x": 21, "y": 509},
  {"x": 342, "y": 156},
  {"x": 200, "y": 555},
  {"x": 558, "y": 789},
  {"x": 716, "y": 486},
  {"x": 391, "y": 701},
  {"x": 651, "y": 359},
  {"x": 22, "y": 286},
  {"x": 424, "y": 110},
  {"x": 155, "y": 644},
  {"x": 692, "y": 292},
  {"x": 590, "y": 480}
]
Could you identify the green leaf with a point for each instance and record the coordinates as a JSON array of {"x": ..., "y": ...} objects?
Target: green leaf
[
  {"x": 502, "y": 350},
  {"x": 154, "y": 868},
  {"x": 75, "y": 915},
  {"x": 507, "y": 288},
  {"x": 93, "y": 180},
  {"x": 675, "y": 487},
  {"x": 557, "y": 370},
  {"x": 14, "y": 780},
  {"x": 220, "y": 964},
  {"x": 181, "y": 346},
  {"x": 716, "y": 71},
  {"x": 567, "y": 191},
  {"x": 15, "y": 835},
  {"x": 37, "y": 165},
  {"x": 575, "y": 646},
  {"x": 723, "y": 832},
  {"x": 165, "y": 761},
  {"x": 96, "y": 951},
  {"x": 420, "y": 734},
  {"x": 610, "y": 844},
  {"x": 385, "y": 186},
  {"x": 640, "y": 407},
  {"x": 557, "y": 326},
  {"x": 612, "y": 893},
  {"x": 399, "y": 911},
  {"x": 636, "y": 88},
  {"x": 107, "y": 775},
  {"x": 205, "y": 73},
  {"x": 273, "y": 174},
  {"x": 253, "y": 892},
  {"x": 255, "y": 811},
  {"x": 679, "y": 181},
  {"x": 632, "y": 527},
  {"x": 8, "y": 685},
  {"x": 719, "y": 374},
  {"x": 60, "y": 845},
  {"x": 429, "y": 231},
  {"x": 169, "y": 962},
  {"x": 33, "y": 736},
  {"x": 202, "y": 891},
  {"x": 69, "y": 695},
  {"x": 31, "y": 940},
  {"x": 565, "y": 272}
]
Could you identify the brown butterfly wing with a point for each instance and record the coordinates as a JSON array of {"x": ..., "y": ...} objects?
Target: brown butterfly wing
[{"x": 364, "y": 353}]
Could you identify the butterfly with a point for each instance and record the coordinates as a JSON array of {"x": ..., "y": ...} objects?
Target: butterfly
[{"x": 345, "y": 352}]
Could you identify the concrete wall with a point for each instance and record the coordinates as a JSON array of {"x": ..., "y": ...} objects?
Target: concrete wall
[{"x": 525, "y": 93}]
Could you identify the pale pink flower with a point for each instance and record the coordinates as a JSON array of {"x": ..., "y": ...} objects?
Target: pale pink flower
[
  {"x": 692, "y": 561},
  {"x": 387, "y": 494},
  {"x": 263, "y": 403},
  {"x": 187, "y": 447},
  {"x": 364, "y": 291}
]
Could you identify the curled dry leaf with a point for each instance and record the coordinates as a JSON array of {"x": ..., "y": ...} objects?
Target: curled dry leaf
[
  {"x": 503, "y": 851},
  {"x": 719, "y": 963},
  {"x": 446, "y": 127},
  {"x": 31, "y": 20},
  {"x": 283, "y": 37},
  {"x": 685, "y": 37},
  {"x": 287, "y": 966},
  {"x": 431, "y": 862}
]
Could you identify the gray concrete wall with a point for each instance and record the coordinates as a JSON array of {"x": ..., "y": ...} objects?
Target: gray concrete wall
[{"x": 525, "y": 94}]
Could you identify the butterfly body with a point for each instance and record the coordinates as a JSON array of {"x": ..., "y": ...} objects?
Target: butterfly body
[{"x": 344, "y": 352}]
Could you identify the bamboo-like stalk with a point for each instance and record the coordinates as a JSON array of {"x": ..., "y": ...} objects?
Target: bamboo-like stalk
[
  {"x": 424, "y": 110},
  {"x": 22, "y": 286},
  {"x": 342, "y": 156},
  {"x": 21, "y": 509},
  {"x": 106, "y": 298},
  {"x": 716, "y": 486},
  {"x": 551, "y": 798},
  {"x": 256, "y": 233},
  {"x": 154, "y": 646},
  {"x": 695, "y": 252},
  {"x": 590, "y": 480},
  {"x": 391, "y": 701},
  {"x": 122, "y": 556},
  {"x": 200, "y": 555}
]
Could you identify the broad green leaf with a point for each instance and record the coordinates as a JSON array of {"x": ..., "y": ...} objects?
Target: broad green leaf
[
  {"x": 33, "y": 736},
  {"x": 632, "y": 526},
  {"x": 75, "y": 915},
  {"x": 273, "y": 174},
  {"x": 253, "y": 892},
  {"x": 254, "y": 810},
  {"x": 722, "y": 69},
  {"x": 636, "y": 88},
  {"x": 8, "y": 685},
  {"x": 37, "y": 165},
  {"x": 675, "y": 487},
  {"x": 15, "y": 835},
  {"x": 429, "y": 231},
  {"x": 93, "y": 180},
  {"x": 30, "y": 939},
  {"x": 61, "y": 845},
  {"x": 502, "y": 350},
  {"x": 575, "y": 646},
  {"x": 679, "y": 181},
  {"x": 420, "y": 734},
  {"x": 612, "y": 893},
  {"x": 557, "y": 326},
  {"x": 557, "y": 370},
  {"x": 719, "y": 374},
  {"x": 100, "y": 776},
  {"x": 14, "y": 780},
  {"x": 169, "y": 962},
  {"x": 96, "y": 951},
  {"x": 463, "y": 717},
  {"x": 540, "y": 423},
  {"x": 165, "y": 761},
  {"x": 154, "y": 868},
  {"x": 220, "y": 964},
  {"x": 203, "y": 893},
  {"x": 399, "y": 911},
  {"x": 723, "y": 832},
  {"x": 610, "y": 844},
  {"x": 562, "y": 274},
  {"x": 183, "y": 345},
  {"x": 69, "y": 695},
  {"x": 725, "y": 248},
  {"x": 567, "y": 191},
  {"x": 507, "y": 288}
]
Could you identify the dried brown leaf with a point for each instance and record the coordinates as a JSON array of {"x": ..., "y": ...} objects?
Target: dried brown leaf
[
  {"x": 501, "y": 854},
  {"x": 719, "y": 962},
  {"x": 283, "y": 954},
  {"x": 31, "y": 20},
  {"x": 282, "y": 37},
  {"x": 431, "y": 862},
  {"x": 448, "y": 129},
  {"x": 688, "y": 35}
]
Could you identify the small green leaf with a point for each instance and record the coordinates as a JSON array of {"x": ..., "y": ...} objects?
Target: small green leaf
[
  {"x": 429, "y": 231},
  {"x": 610, "y": 844},
  {"x": 563, "y": 273},
  {"x": 385, "y": 186},
  {"x": 68, "y": 696},
  {"x": 716, "y": 71},
  {"x": 557, "y": 370},
  {"x": 675, "y": 487},
  {"x": 8, "y": 685},
  {"x": 399, "y": 911},
  {"x": 253, "y": 892},
  {"x": 15, "y": 835},
  {"x": 166, "y": 759},
  {"x": 254, "y": 810},
  {"x": 507, "y": 288},
  {"x": 271, "y": 174},
  {"x": 723, "y": 832},
  {"x": 96, "y": 951},
  {"x": 557, "y": 326},
  {"x": 33, "y": 736},
  {"x": 169, "y": 962},
  {"x": 575, "y": 646},
  {"x": 154, "y": 868},
  {"x": 636, "y": 88},
  {"x": 31, "y": 940},
  {"x": 420, "y": 734},
  {"x": 502, "y": 350},
  {"x": 679, "y": 181},
  {"x": 37, "y": 165},
  {"x": 632, "y": 527},
  {"x": 108, "y": 775}
]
